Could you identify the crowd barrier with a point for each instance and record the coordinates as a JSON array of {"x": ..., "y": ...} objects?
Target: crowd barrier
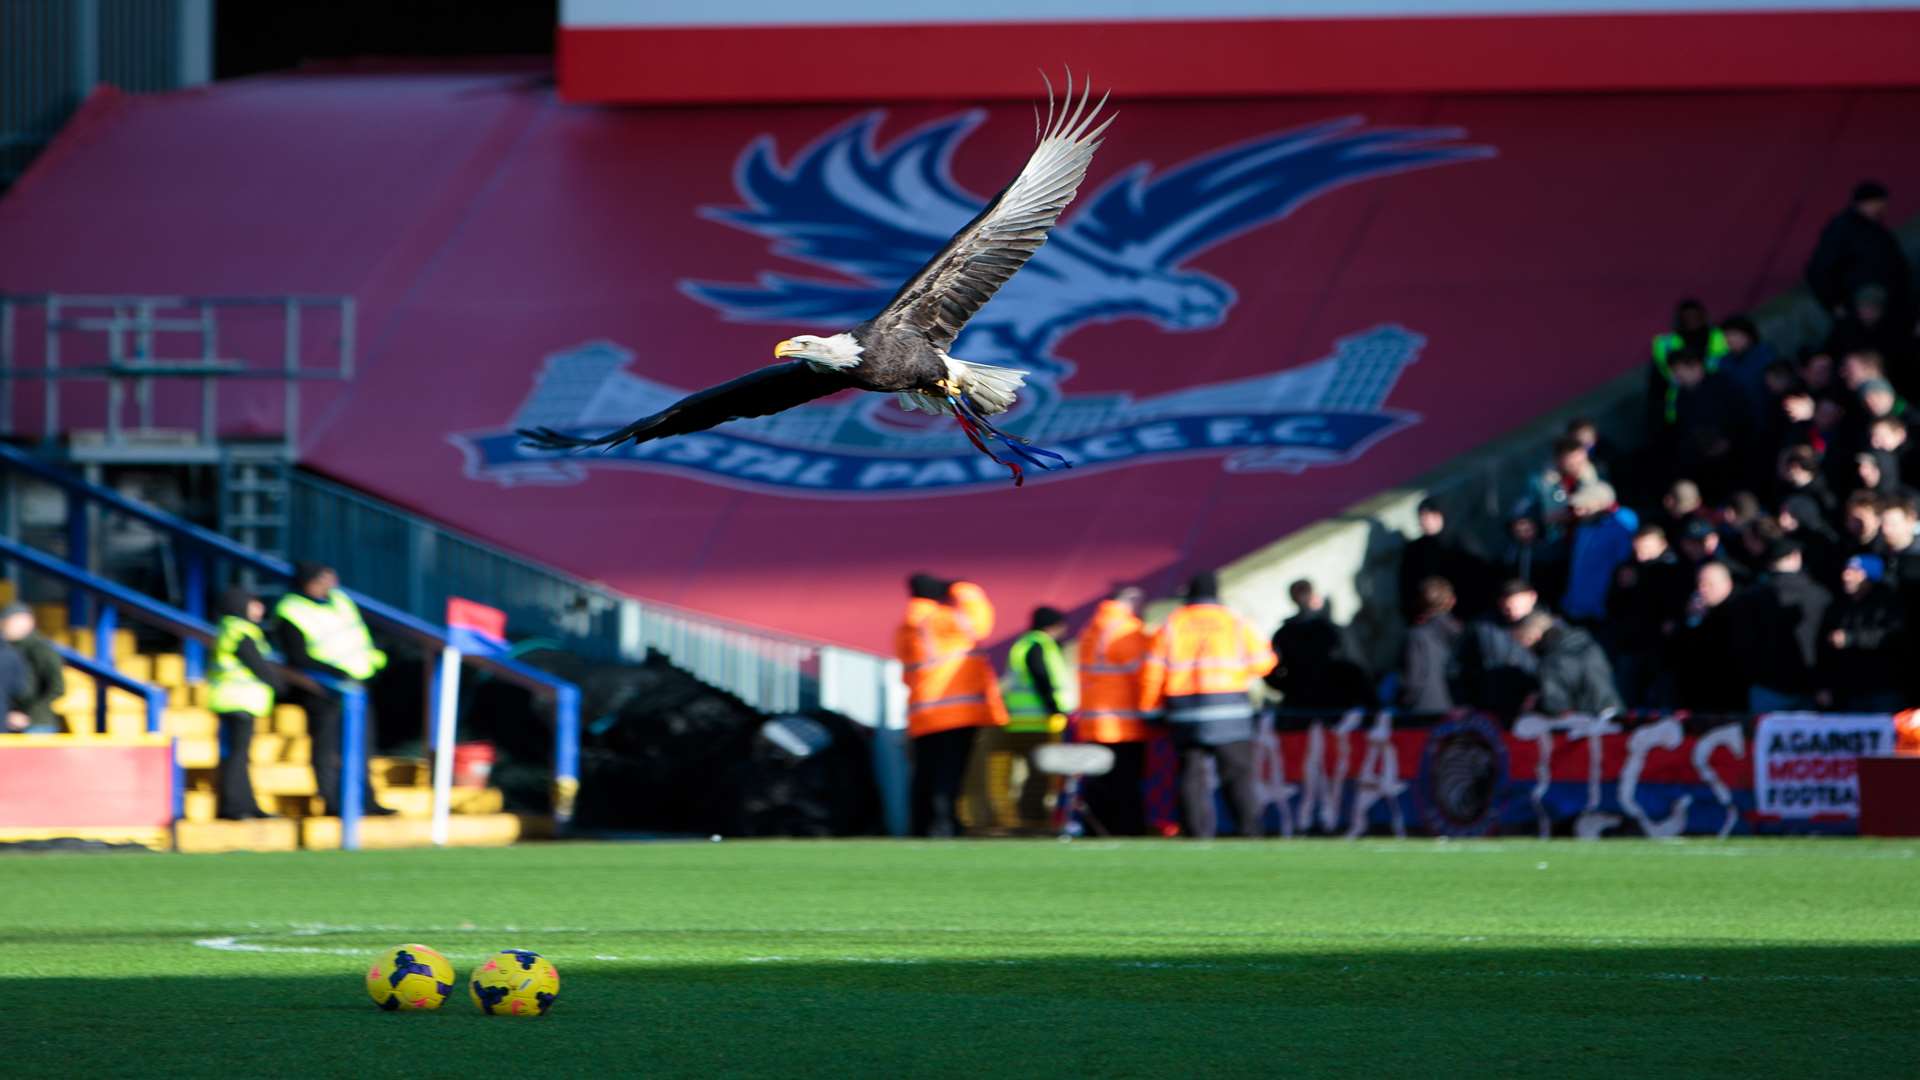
[{"x": 1652, "y": 774}]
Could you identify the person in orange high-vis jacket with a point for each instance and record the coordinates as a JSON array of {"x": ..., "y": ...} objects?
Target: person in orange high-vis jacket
[
  {"x": 1199, "y": 668},
  {"x": 952, "y": 692},
  {"x": 1112, "y": 649}
]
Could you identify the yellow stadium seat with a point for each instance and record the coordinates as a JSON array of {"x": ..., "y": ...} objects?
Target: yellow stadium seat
[
  {"x": 197, "y": 752},
  {"x": 190, "y": 723},
  {"x": 169, "y": 669},
  {"x": 51, "y": 617}
]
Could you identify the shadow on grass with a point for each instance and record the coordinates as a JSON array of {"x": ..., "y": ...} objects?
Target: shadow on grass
[{"x": 1589, "y": 1010}]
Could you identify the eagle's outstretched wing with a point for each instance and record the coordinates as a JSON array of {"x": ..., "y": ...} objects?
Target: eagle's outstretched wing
[
  {"x": 980, "y": 258},
  {"x": 758, "y": 393}
]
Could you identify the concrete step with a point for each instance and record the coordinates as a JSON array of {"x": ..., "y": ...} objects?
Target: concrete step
[
  {"x": 463, "y": 830},
  {"x": 266, "y": 835}
]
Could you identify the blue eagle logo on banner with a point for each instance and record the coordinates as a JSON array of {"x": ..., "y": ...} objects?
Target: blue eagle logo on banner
[{"x": 871, "y": 215}]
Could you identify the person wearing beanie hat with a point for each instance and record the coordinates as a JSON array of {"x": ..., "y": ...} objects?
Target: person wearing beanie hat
[
  {"x": 951, "y": 694},
  {"x": 39, "y": 678},
  {"x": 1200, "y": 668},
  {"x": 1039, "y": 696},
  {"x": 1865, "y": 642},
  {"x": 241, "y": 688}
]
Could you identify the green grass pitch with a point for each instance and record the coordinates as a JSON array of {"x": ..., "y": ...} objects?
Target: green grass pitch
[{"x": 874, "y": 958}]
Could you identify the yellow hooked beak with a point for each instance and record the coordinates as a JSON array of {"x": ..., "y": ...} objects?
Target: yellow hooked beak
[{"x": 787, "y": 348}]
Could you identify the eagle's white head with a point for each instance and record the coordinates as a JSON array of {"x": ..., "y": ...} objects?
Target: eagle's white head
[{"x": 836, "y": 353}]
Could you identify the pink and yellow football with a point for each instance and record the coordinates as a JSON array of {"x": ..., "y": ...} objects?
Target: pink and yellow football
[
  {"x": 409, "y": 977},
  {"x": 515, "y": 982}
]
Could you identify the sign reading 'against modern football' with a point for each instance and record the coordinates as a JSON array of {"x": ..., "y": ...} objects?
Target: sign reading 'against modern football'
[{"x": 1808, "y": 765}]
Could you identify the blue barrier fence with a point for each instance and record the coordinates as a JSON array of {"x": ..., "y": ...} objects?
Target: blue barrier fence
[
  {"x": 111, "y": 598},
  {"x": 153, "y": 698},
  {"x": 204, "y": 554}
]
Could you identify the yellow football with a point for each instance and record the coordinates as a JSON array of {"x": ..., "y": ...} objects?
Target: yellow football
[
  {"x": 409, "y": 977},
  {"x": 515, "y": 982}
]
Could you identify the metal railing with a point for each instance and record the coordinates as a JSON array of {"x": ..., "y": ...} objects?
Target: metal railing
[
  {"x": 201, "y": 550},
  {"x": 415, "y": 564},
  {"x": 113, "y": 599},
  {"x": 131, "y": 342},
  {"x": 152, "y": 698}
]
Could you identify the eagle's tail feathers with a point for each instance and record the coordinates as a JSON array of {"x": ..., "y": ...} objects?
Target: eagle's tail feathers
[{"x": 991, "y": 388}]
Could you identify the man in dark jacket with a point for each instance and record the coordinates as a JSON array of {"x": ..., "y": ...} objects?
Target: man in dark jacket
[
  {"x": 1497, "y": 674},
  {"x": 1855, "y": 249},
  {"x": 1441, "y": 552},
  {"x": 45, "y": 671},
  {"x": 1644, "y": 604},
  {"x": 13, "y": 686},
  {"x": 1432, "y": 667},
  {"x": 1319, "y": 667},
  {"x": 1706, "y": 673},
  {"x": 1574, "y": 673},
  {"x": 1865, "y": 646},
  {"x": 1777, "y": 625}
]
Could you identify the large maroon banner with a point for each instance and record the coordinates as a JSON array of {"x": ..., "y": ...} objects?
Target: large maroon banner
[{"x": 1256, "y": 313}]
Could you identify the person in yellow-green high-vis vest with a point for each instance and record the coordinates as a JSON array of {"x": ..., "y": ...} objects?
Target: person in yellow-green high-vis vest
[
  {"x": 1039, "y": 695},
  {"x": 1691, "y": 332},
  {"x": 240, "y": 689},
  {"x": 318, "y": 627}
]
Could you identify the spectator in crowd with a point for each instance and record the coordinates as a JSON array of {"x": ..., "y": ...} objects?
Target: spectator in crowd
[
  {"x": 1602, "y": 541},
  {"x": 1318, "y": 666},
  {"x": 1199, "y": 668},
  {"x": 1899, "y": 547},
  {"x": 1442, "y": 552},
  {"x": 1680, "y": 507},
  {"x": 1708, "y": 677},
  {"x": 1800, "y": 476},
  {"x": 1038, "y": 698},
  {"x": 1497, "y": 674},
  {"x": 1746, "y": 364},
  {"x": 45, "y": 671},
  {"x": 1112, "y": 648},
  {"x": 1553, "y": 490},
  {"x": 1822, "y": 549},
  {"x": 1868, "y": 327},
  {"x": 1692, "y": 333},
  {"x": 1530, "y": 558},
  {"x": 13, "y": 687},
  {"x": 1855, "y": 249},
  {"x": 1584, "y": 431},
  {"x": 317, "y": 627},
  {"x": 1777, "y": 628},
  {"x": 241, "y": 687},
  {"x": 1861, "y": 522},
  {"x": 1887, "y": 440},
  {"x": 1699, "y": 545},
  {"x": 1574, "y": 673},
  {"x": 1430, "y": 673},
  {"x": 1704, "y": 425},
  {"x": 1648, "y": 596},
  {"x": 1865, "y": 642}
]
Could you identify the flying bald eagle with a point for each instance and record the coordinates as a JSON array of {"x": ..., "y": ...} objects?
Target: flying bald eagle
[{"x": 903, "y": 349}]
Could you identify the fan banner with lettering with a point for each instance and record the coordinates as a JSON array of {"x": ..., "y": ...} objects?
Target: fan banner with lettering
[{"x": 1468, "y": 774}]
